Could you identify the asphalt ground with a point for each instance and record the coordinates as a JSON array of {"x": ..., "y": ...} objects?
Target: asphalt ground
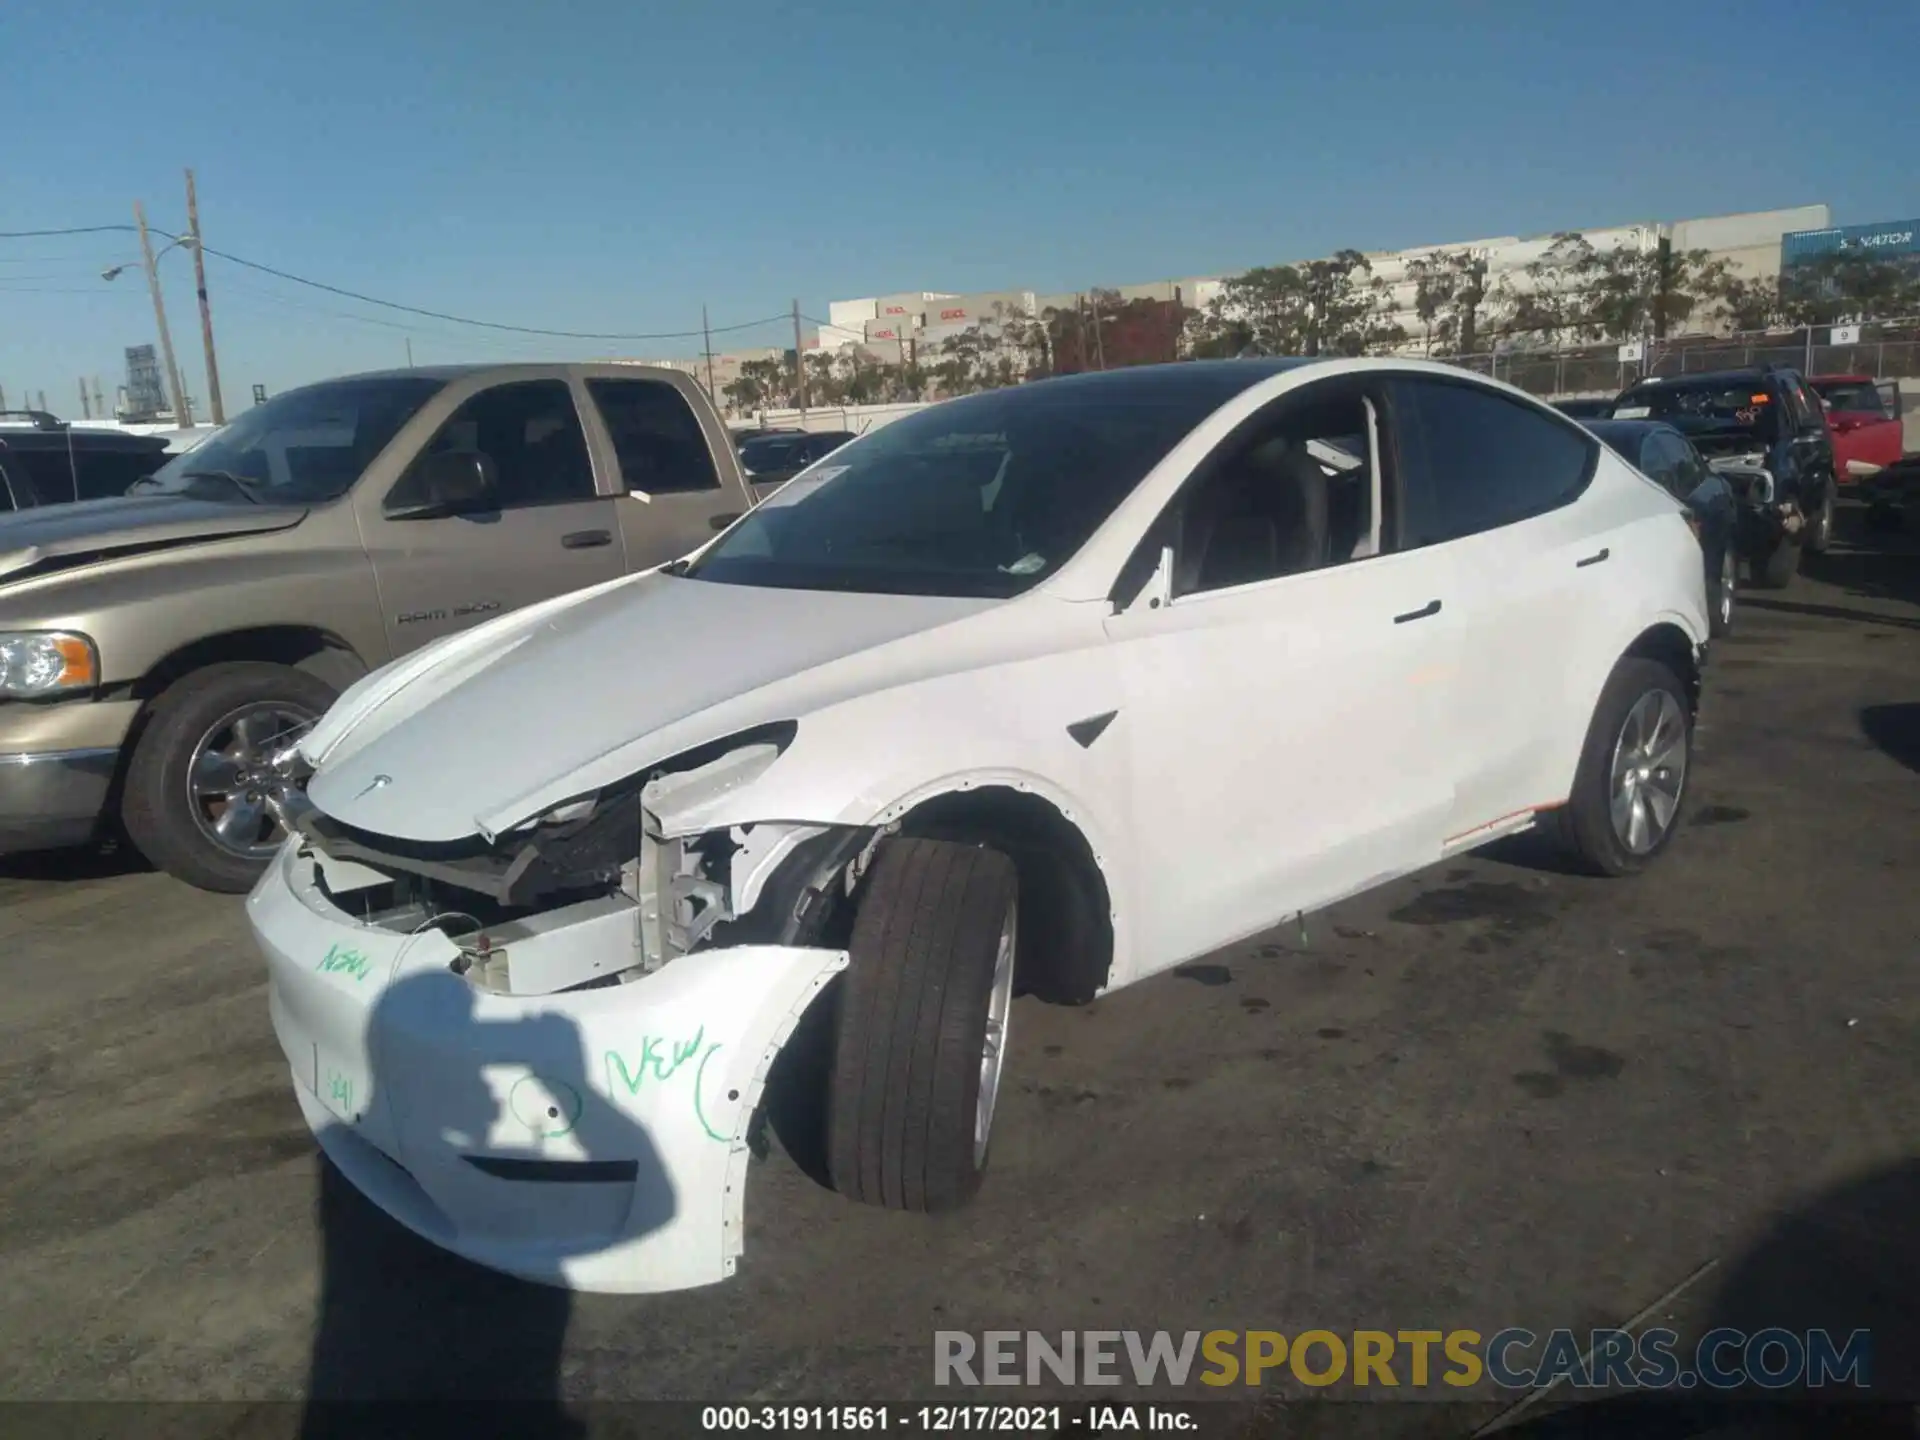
[{"x": 1490, "y": 1095}]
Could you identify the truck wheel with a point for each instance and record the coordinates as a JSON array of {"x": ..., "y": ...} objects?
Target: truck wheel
[
  {"x": 1775, "y": 570},
  {"x": 195, "y": 802},
  {"x": 1820, "y": 525},
  {"x": 1632, "y": 775},
  {"x": 921, "y": 1033}
]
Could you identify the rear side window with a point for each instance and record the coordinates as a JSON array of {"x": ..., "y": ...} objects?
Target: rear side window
[
  {"x": 104, "y": 473},
  {"x": 656, "y": 436},
  {"x": 1473, "y": 459},
  {"x": 7, "y": 502},
  {"x": 1854, "y": 397}
]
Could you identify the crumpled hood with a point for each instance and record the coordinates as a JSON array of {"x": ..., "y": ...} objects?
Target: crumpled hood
[
  {"x": 449, "y": 742},
  {"x": 42, "y": 537}
]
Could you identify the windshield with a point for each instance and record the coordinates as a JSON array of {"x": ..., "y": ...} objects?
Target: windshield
[
  {"x": 1715, "y": 404},
  {"x": 1852, "y": 397},
  {"x": 300, "y": 448},
  {"x": 984, "y": 496}
]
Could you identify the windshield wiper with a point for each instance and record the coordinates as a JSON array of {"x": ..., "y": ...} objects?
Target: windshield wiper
[{"x": 243, "y": 486}]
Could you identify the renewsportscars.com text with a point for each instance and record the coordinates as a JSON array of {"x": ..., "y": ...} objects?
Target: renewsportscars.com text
[{"x": 1514, "y": 1359}]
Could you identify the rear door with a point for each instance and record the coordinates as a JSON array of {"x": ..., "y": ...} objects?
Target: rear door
[
  {"x": 674, "y": 494},
  {"x": 1494, "y": 482},
  {"x": 555, "y": 529}
]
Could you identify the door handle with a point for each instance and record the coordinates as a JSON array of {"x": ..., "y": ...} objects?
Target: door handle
[
  {"x": 1592, "y": 559},
  {"x": 586, "y": 539},
  {"x": 720, "y": 522},
  {"x": 1432, "y": 607}
]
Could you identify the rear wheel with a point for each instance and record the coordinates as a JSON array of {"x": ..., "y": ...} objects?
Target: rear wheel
[
  {"x": 1820, "y": 523},
  {"x": 198, "y": 791},
  {"x": 1632, "y": 775},
  {"x": 920, "y": 1038}
]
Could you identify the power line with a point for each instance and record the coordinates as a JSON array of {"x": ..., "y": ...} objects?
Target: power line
[{"x": 396, "y": 305}]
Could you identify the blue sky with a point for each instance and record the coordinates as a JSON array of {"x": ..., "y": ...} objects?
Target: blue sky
[{"x": 604, "y": 165}]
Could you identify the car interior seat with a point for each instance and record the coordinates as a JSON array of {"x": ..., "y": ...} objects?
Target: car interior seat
[{"x": 1266, "y": 516}]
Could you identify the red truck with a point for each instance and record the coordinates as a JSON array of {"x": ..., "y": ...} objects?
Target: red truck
[{"x": 1864, "y": 416}]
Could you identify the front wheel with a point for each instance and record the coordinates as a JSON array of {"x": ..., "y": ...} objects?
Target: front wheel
[
  {"x": 1632, "y": 775},
  {"x": 920, "y": 1038},
  {"x": 1720, "y": 593},
  {"x": 198, "y": 791}
]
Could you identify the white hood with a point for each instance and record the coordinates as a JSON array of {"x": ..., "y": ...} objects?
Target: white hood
[{"x": 446, "y": 743}]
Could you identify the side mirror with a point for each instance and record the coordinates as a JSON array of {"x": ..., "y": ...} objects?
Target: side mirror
[
  {"x": 448, "y": 482},
  {"x": 1153, "y": 591}
]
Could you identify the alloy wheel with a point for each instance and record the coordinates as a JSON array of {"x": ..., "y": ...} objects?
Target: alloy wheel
[
  {"x": 233, "y": 790},
  {"x": 1649, "y": 771},
  {"x": 993, "y": 1053}
]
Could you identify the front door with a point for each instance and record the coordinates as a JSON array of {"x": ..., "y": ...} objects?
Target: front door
[
  {"x": 1284, "y": 682},
  {"x": 553, "y": 531}
]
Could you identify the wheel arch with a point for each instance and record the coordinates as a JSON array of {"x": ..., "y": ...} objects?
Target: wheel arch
[{"x": 310, "y": 648}]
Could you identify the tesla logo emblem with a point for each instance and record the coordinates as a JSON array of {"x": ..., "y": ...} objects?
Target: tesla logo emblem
[{"x": 380, "y": 782}]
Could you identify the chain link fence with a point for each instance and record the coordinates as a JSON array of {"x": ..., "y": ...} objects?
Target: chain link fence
[{"x": 1885, "y": 349}]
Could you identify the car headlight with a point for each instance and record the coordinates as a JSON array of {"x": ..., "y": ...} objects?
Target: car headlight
[{"x": 37, "y": 663}]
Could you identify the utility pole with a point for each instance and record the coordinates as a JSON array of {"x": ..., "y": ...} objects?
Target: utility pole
[
  {"x": 706, "y": 349},
  {"x": 99, "y": 400},
  {"x": 180, "y": 416},
  {"x": 86, "y": 408},
  {"x": 409, "y": 355},
  {"x": 1099, "y": 341},
  {"x": 206, "y": 314},
  {"x": 799, "y": 364}
]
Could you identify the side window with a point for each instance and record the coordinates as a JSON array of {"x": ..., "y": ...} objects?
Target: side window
[
  {"x": 104, "y": 473},
  {"x": 1294, "y": 490},
  {"x": 1810, "y": 402},
  {"x": 7, "y": 502},
  {"x": 530, "y": 432},
  {"x": 1660, "y": 460},
  {"x": 50, "y": 474},
  {"x": 656, "y": 435},
  {"x": 1889, "y": 392},
  {"x": 1473, "y": 459}
]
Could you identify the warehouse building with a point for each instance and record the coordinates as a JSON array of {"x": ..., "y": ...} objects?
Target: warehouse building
[{"x": 1752, "y": 243}]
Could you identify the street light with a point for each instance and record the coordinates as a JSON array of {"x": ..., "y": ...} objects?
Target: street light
[{"x": 112, "y": 272}]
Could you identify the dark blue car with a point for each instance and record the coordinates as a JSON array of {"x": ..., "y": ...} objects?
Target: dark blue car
[{"x": 1665, "y": 456}]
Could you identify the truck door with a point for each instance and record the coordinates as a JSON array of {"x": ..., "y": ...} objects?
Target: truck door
[
  {"x": 551, "y": 531},
  {"x": 675, "y": 497}
]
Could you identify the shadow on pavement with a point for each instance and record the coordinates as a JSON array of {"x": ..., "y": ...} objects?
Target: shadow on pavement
[
  {"x": 1895, "y": 729},
  {"x": 92, "y": 862},
  {"x": 404, "y": 1322},
  {"x": 1847, "y": 1262}
]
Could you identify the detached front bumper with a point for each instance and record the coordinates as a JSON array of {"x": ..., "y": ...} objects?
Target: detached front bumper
[{"x": 593, "y": 1139}]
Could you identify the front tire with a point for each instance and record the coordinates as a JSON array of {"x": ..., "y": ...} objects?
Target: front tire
[
  {"x": 1720, "y": 593},
  {"x": 921, "y": 1030},
  {"x": 1632, "y": 776},
  {"x": 197, "y": 789}
]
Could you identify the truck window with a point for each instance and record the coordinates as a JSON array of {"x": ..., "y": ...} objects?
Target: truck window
[
  {"x": 658, "y": 438},
  {"x": 530, "y": 431}
]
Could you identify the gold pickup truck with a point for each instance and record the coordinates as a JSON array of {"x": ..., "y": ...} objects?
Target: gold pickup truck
[{"x": 158, "y": 649}]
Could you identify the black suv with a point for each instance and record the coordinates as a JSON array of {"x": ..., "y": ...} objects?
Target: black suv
[
  {"x": 1767, "y": 432},
  {"x": 47, "y": 462}
]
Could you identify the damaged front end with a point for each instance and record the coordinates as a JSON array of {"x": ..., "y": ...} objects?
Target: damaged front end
[
  {"x": 628, "y": 874},
  {"x": 614, "y": 977}
]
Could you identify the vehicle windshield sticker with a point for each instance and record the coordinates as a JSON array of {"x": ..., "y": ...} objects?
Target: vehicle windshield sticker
[
  {"x": 1632, "y": 412},
  {"x": 802, "y": 485}
]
